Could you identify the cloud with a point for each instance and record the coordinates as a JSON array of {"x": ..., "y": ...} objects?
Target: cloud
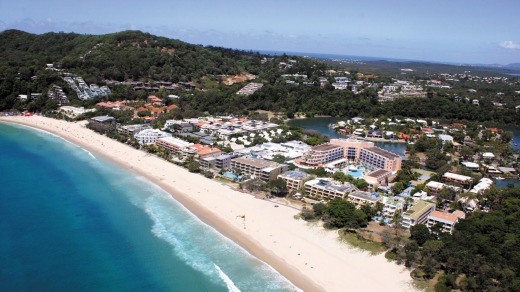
[{"x": 510, "y": 45}]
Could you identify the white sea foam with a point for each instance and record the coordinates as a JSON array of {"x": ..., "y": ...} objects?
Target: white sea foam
[
  {"x": 230, "y": 285},
  {"x": 205, "y": 249}
]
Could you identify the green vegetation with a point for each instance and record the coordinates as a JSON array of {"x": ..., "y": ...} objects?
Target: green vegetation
[
  {"x": 340, "y": 213},
  {"x": 353, "y": 239},
  {"x": 482, "y": 254}
]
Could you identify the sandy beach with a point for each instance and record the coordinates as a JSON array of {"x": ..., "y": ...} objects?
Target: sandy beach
[{"x": 309, "y": 256}]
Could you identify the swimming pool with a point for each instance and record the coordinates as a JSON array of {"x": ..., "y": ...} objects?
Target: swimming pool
[
  {"x": 355, "y": 174},
  {"x": 231, "y": 175}
]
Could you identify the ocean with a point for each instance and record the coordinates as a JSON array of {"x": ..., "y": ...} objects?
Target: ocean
[{"x": 70, "y": 220}]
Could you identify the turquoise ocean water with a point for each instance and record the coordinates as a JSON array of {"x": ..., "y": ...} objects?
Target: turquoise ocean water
[{"x": 72, "y": 221}]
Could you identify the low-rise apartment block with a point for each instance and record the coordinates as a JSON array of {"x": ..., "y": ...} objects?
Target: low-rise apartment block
[
  {"x": 436, "y": 187},
  {"x": 263, "y": 169},
  {"x": 223, "y": 162},
  {"x": 418, "y": 214},
  {"x": 446, "y": 220},
  {"x": 131, "y": 130},
  {"x": 176, "y": 145},
  {"x": 294, "y": 179},
  {"x": 150, "y": 136},
  {"x": 328, "y": 189},
  {"x": 361, "y": 198},
  {"x": 457, "y": 178},
  {"x": 392, "y": 205}
]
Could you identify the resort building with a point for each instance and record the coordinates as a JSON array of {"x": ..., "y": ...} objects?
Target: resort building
[
  {"x": 149, "y": 136},
  {"x": 175, "y": 145},
  {"x": 263, "y": 169},
  {"x": 328, "y": 189},
  {"x": 445, "y": 219},
  {"x": 294, "y": 179},
  {"x": 290, "y": 150},
  {"x": 361, "y": 198},
  {"x": 131, "y": 130},
  {"x": 379, "y": 178},
  {"x": 418, "y": 214},
  {"x": 352, "y": 147},
  {"x": 377, "y": 158},
  {"x": 319, "y": 155},
  {"x": 365, "y": 153},
  {"x": 457, "y": 178},
  {"x": 392, "y": 205}
]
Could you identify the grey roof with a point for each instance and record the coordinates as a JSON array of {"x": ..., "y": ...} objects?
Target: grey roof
[
  {"x": 295, "y": 174},
  {"x": 102, "y": 119},
  {"x": 224, "y": 157},
  {"x": 364, "y": 195}
]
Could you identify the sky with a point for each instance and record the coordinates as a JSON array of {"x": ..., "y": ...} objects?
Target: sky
[{"x": 454, "y": 31}]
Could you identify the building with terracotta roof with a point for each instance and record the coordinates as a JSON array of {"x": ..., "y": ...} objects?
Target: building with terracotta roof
[
  {"x": 208, "y": 151},
  {"x": 446, "y": 220}
]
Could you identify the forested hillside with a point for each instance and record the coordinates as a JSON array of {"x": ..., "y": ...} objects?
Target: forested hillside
[
  {"x": 120, "y": 56},
  {"x": 138, "y": 56}
]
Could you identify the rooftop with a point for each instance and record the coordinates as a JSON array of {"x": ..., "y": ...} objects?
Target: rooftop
[
  {"x": 419, "y": 209},
  {"x": 103, "y": 119},
  {"x": 444, "y": 217},
  {"x": 382, "y": 152},
  {"x": 365, "y": 196},
  {"x": 456, "y": 176},
  {"x": 295, "y": 174},
  {"x": 331, "y": 185},
  {"x": 378, "y": 173},
  {"x": 325, "y": 147},
  {"x": 255, "y": 162}
]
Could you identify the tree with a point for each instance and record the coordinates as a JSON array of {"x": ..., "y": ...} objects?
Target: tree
[
  {"x": 193, "y": 166},
  {"x": 342, "y": 213},
  {"x": 420, "y": 233},
  {"x": 398, "y": 187},
  {"x": 278, "y": 187}
]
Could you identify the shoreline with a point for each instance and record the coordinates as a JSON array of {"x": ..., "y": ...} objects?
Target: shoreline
[{"x": 272, "y": 234}]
